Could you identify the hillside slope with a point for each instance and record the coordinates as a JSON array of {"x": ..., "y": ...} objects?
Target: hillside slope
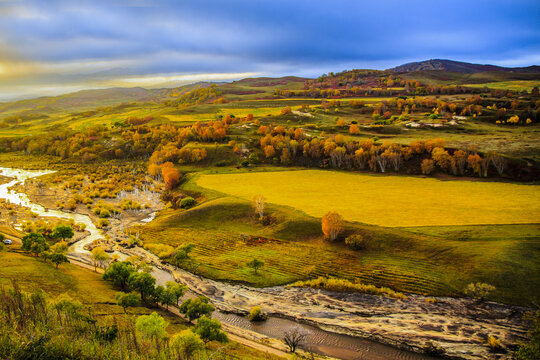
[{"x": 458, "y": 66}]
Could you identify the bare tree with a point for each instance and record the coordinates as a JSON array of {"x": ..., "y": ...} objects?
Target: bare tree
[
  {"x": 259, "y": 203},
  {"x": 396, "y": 161},
  {"x": 499, "y": 162},
  {"x": 484, "y": 166},
  {"x": 382, "y": 160},
  {"x": 295, "y": 337}
]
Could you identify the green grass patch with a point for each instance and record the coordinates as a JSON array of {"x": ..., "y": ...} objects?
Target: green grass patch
[{"x": 420, "y": 260}]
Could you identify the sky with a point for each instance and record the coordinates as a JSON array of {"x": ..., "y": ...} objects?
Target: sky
[{"x": 49, "y": 47}]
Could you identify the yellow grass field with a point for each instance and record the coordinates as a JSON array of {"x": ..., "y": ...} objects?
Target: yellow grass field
[
  {"x": 515, "y": 85},
  {"x": 387, "y": 200},
  {"x": 240, "y": 112}
]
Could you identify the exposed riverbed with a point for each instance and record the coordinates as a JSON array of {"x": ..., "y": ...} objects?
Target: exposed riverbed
[{"x": 457, "y": 325}]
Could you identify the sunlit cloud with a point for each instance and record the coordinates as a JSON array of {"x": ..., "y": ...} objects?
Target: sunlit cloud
[
  {"x": 155, "y": 80},
  {"x": 61, "y": 44}
]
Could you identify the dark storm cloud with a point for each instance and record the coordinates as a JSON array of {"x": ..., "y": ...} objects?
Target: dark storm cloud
[{"x": 140, "y": 37}]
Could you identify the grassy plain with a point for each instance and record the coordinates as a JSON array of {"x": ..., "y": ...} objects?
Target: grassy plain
[
  {"x": 439, "y": 261},
  {"x": 514, "y": 85},
  {"x": 387, "y": 200}
]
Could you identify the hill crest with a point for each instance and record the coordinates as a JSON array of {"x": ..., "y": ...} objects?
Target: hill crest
[{"x": 458, "y": 66}]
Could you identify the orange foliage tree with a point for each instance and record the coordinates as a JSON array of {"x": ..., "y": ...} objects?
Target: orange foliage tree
[
  {"x": 332, "y": 225},
  {"x": 171, "y": 177}
]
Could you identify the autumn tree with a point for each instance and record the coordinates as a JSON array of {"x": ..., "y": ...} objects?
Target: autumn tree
[
  {"x": 269, "y": 151},
  {"x": 459, "y": 160},
  {"x": 171, "y": 177},
  {"x": 354, "y": 129},
  {"x": 99, "y": 257},
  {"x": 441, "y": 158},
  {"x": 259, "y": 205},
  {"x": 332, "y": 225},
  {"x": 475, "y": 163},
  {"x": 427, "y": 166},
  {"x": 154, "y": 170},
  {"x": 340, "y": 122},
  {"x": 286, "y": 110}
]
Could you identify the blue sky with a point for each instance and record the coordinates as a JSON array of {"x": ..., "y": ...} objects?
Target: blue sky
[{"x": 52, "y": 46}]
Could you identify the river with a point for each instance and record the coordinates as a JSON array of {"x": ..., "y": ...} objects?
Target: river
[{"x": 319, "y": 341}]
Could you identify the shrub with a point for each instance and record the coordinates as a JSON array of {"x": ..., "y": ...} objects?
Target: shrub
[
  {"x": 479, "y": 291},
  {"x": 187, "y": 203},
  {"x": 356, "y": 242},
  {"x": 266, "y": 220},
  {"x": 336, "y": 284},
  {"x": 531, "y": 349},
  {"x": 102, "y": 223},
  {"x": 494, "y": 343},
  {"x": 253, "y": 158},
  {"x": 161, "y": 250},
  {"x": 256, "y": 314}
]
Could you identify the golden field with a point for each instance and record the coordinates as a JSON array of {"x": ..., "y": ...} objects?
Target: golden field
[{"x": 387, "y": 200}]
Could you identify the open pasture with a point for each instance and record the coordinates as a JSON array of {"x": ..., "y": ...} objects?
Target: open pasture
[
  {"x": 393, "y": 201},
  {"x": 428, "y": 260},
  {"x": 514, "y": 85}
]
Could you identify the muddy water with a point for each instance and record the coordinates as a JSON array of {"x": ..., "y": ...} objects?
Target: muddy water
[
  {"x": 320, "y": 341},
  {"x": 324, "y": 342}
]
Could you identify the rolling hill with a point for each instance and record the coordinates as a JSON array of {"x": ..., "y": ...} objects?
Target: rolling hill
[{"x": 459, "y": 67}]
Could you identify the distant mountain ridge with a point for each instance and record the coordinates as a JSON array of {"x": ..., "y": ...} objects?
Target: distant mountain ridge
[
  {"x": 90, "y": 99},
  {"x": 458, "y": 66}
]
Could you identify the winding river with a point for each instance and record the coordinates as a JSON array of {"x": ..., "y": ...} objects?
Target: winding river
[{"x": 320, "y": 341}]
